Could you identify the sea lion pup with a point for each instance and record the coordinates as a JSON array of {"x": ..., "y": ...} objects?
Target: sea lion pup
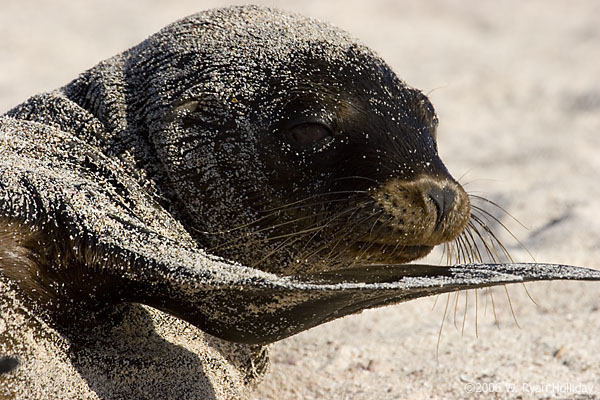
[{"x": 252, "y": 172}]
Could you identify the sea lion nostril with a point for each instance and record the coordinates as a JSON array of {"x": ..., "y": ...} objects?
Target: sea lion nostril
[{"x": 442, "y": 198}]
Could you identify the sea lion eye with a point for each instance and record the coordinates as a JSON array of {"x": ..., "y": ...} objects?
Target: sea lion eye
[{"x": 307, "y": 134}]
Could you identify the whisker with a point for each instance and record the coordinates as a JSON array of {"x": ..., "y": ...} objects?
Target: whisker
[
  {"x": 364, "y": 248},
  {"x": 462, "y": 332},
  {"x": 486, "y": 303},
  {"x": 466, "y": 257},
  {"x": 275, "y": 250},
  {"x": 315, "y": 196},
  {"x": 437, "y": 347},
  {"x": 511, "y": 307},
  {"x": 459, "y": 250},
  {"x": 341, "y": 213},
  {"x": 348, "y": 232},
  {"x": 492, "y": 236},
  {"x": 353, "y": 210},
  {"x": 455, "y": 308},
  {"x": 505, "y": 228},
  {"x": 489, "y": 252},
  {"x": 292, "y": 221},
  {"x": 466, "y": 248},
  {"x": 474, "y": 248},
  {"x": 463, "y": 175},
  {"x": 486, "y": 200},
  {"x": 476, "y": 314},
  {"x": 355, "y": 177},
  {"x": 495, "y": 244},
  {"x": 277, "y": 211},
  {"x": 445, "y": 253},
  {"x": 227, "y": 245},
  {"x": 451, "y": 256},
  {"x": 494, "y": 307},
  {"x": 529, "y": 295}
]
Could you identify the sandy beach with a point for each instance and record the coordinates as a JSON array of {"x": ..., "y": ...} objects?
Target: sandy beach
[{"x": 517, "y": 92}]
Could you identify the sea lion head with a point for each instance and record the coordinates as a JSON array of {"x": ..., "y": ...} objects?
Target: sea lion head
[{"x": 292, "y": 148}]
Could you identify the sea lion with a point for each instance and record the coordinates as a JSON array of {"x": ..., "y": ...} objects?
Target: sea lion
[{"x": 252, "y": 172}]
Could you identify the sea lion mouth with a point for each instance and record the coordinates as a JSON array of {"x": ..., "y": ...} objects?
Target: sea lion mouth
[{"x": 387, "y": 251}]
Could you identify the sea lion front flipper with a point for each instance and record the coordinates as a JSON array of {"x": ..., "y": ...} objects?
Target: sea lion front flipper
[{"x": 267, "y": 308}]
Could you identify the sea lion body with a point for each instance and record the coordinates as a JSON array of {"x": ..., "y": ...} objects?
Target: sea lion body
[
  {"x": 202, "y": 135},
  {"x": 235, "y": 170},
  {"x": 175, "y": 144}
]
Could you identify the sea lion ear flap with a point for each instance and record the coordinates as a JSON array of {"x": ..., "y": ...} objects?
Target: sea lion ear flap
[
  {"x": 203, "y": 100},
  {"x": 181, "y": 108},
  {"x": 261, "y": 308}
]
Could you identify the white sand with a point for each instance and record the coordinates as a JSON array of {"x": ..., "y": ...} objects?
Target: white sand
[{"x": 517, "y": 90}]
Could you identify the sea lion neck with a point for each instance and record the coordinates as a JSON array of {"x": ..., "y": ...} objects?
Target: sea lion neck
[{"x": 97, "y": 107}]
